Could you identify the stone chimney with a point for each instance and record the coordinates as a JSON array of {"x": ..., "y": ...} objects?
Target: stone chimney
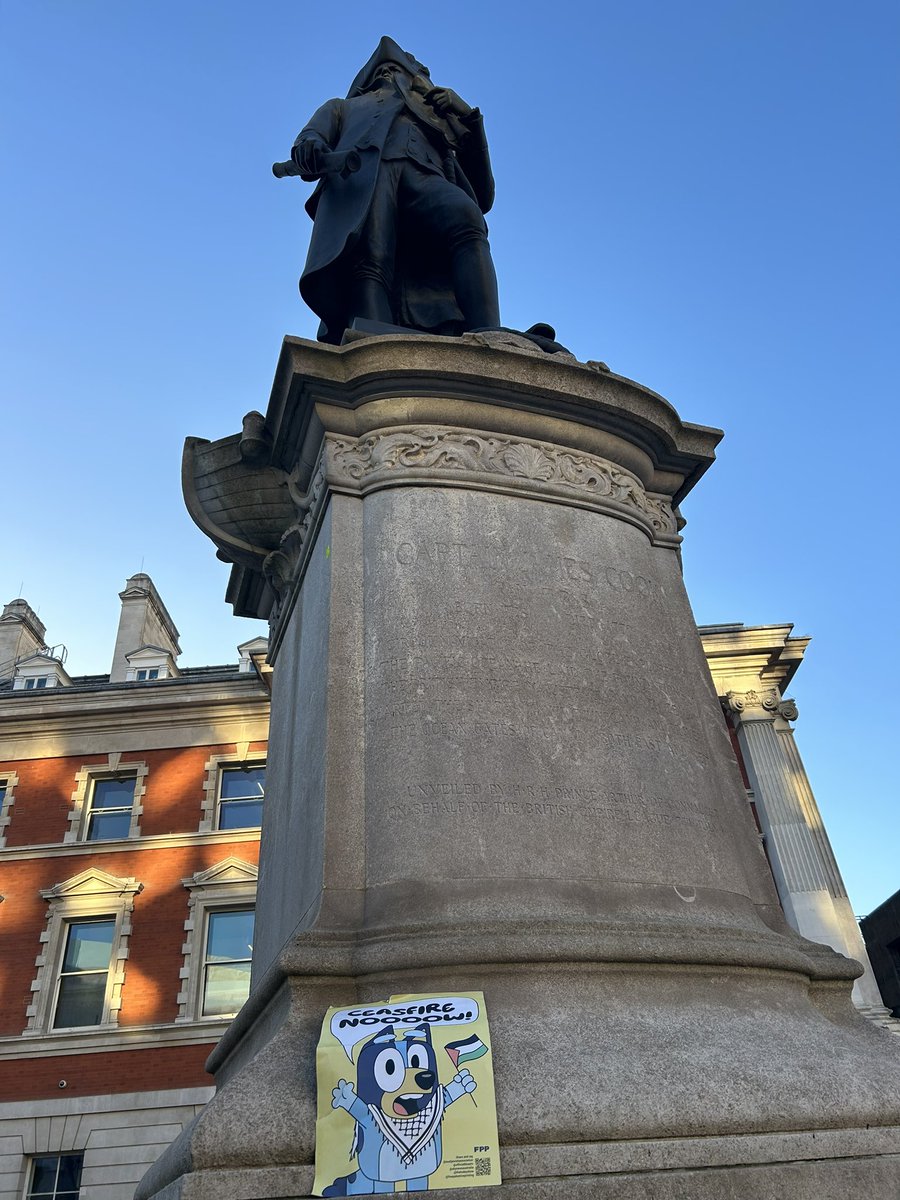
[
  {"x": 144, "y": 621},
  {"x": 21, "y": 632}
]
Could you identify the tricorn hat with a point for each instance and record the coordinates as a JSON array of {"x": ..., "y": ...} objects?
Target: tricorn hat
[{"x": 387, "y": 52}]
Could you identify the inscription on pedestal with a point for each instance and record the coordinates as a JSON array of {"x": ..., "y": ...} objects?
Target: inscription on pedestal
[{"x": 511, "y": 689}]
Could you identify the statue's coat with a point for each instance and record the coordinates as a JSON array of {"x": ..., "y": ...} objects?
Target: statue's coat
[{"x": 339, "y": 206}]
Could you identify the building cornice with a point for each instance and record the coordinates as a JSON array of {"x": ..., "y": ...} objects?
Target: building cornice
[
  {"x": 93, "y": 1041},
  {"x": 65, "y": 1105},
  {"x": 55, "y": 724},
  {"x": 167, "y": 841},
  {"x": 742, "y": 657}
]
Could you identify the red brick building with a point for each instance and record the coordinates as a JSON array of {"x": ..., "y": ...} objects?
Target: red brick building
[{"x": 130, "y": 806}]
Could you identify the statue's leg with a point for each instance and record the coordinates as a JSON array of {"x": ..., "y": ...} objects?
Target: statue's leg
[
  {"x": 475, "y": 283},
  {"x": 372, "y": 272},
  {"x": 444, "y": 211}
]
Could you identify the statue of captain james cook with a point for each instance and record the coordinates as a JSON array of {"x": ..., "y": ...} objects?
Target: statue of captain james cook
[{"x": 399, "y": 238}]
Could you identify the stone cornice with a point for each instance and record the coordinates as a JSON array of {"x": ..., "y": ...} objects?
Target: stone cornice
[
  {"x": 169, "y": 696},
  {"x": 64, "y": 1105},
  {"x": 93, "y": 1041},
  {"x": 70, "y": 722},
  {"x": 164, "y": 841},
  {"x": 470, "y": 368},
  {"x": 752, "y": 658}
]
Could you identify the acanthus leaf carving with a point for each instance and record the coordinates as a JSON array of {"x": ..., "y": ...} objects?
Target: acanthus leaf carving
[{"x": 527, "y": 461}]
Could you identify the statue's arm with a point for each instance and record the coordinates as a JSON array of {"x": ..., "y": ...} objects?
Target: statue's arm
[
  {"x": 475, "y": 159},
  {"x": 472, "y": 149},
  {"x": 321, "y": 132}
]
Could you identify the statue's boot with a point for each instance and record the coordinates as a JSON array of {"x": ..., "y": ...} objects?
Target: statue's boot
[
  {"x": 370, "y": 301},
  {"x": 475, "y": 284}
]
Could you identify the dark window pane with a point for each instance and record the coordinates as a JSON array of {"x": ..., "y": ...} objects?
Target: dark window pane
[
  {"x": 89, "y": 945},
  {"x": 69, "y": 1173},
  {"x": 106, "y": 825},
  {"x": 230, "y": 936},
  {"x": 80, "y": 1000},
  {"x": 243, "y": 782},
  {"x": 113, "y": 793},
  {"x": 240, "y": 814},
  {"x": 43, "y": 1174},
  {"x": 227, "y": 987},
  {"x": 55, "y": 1177}
]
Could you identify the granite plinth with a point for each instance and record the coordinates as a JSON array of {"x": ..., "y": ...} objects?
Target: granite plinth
[{"x": 497, "y": 762}]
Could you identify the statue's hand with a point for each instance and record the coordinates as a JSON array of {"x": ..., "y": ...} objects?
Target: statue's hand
[
  {"x": 308, "y": 157},
  {"x": 445, "y": 102}
]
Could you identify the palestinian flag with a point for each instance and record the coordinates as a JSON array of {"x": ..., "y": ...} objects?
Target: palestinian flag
[{"x": 466, "y": 1050}]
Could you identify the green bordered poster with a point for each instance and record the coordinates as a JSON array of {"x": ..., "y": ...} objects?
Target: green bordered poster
[{"x": 406, "y": 1097}]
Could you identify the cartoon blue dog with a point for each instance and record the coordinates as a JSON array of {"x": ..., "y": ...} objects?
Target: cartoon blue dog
[{"x": 398, "y": 1106}]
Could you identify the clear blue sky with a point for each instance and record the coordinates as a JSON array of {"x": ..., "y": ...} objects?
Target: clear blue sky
[{"x": 703, "y": 194}]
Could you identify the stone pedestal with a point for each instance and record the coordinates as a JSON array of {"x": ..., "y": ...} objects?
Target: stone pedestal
[{"x": 498, "y": 763}]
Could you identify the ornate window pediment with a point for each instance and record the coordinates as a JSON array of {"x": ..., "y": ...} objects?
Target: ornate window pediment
[
  {"x": 229, "y": 870},
  {"x": 90, "y": 883}
]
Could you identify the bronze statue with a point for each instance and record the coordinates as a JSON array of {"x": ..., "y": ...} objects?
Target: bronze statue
[{"x": 404, "y": 178}]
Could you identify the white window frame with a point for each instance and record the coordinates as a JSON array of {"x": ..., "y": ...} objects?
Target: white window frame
[
  {"x": 57, "y": 1154},
  {"x": 228, "y": 885},
  {"x": 10, "y": 778},
  {"x": 90, "y": 895},
  {"x": 212, "y": 783},
  {"x": 80, "y": 812},
  {"x": 204, "y": 962},
  {"x": 59, "y": 974}
]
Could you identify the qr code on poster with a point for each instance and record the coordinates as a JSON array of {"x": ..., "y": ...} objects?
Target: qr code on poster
[{"x": 482, "y": 1166}]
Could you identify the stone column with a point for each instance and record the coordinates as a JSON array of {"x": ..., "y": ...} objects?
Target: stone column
[
  {"x": 498, "y": 763},
  {"x": 806, "y": 874}
]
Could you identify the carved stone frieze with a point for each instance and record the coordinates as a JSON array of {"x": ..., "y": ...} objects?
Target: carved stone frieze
[{"x": 446, "y": 455}]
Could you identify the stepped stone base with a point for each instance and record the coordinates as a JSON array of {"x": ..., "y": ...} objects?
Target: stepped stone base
[{"x": 808, "y": 1165}]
